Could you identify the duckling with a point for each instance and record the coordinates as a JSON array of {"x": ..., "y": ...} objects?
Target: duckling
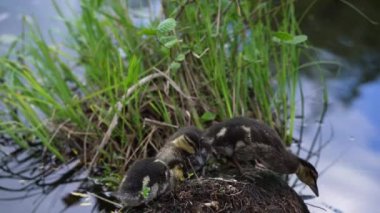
[
  {"x": 145, "y": 180},
  {"x": 247, "y": 140},
  {"x": 185, "y": 147}
]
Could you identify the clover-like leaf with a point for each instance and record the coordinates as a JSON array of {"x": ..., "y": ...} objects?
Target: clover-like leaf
[
  {"x": 168, "y": 41},
  {"x": 286, "y": 38},
  {"x": 298, "y": 39},
  {"x": 208, "y": 116},
  {"x": 180, "y": 57},
  {"x": 174, "y": 66},
  {"x": 282, "y": 36},
  {"x": 166, "y": 25},
  {"x": 171, "y": 43}
]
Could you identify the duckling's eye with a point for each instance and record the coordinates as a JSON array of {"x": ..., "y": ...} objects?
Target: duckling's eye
[
  {"x": 191, "y": 142},
  {"x": 314, "y": 175}
]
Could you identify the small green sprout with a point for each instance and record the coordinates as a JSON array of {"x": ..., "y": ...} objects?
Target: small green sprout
[
  {"x": 190, "y": 174},
  {"x": 145, "y": 188}
]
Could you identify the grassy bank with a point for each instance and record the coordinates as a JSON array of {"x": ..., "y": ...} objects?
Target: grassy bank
[{"x": 113, "y": 91}]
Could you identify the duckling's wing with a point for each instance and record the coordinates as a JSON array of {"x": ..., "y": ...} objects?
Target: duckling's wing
[
  {"x": 254, "y": 131},
  {"x": 280, "y": 161},
  {"x": 262, "y": 133}
]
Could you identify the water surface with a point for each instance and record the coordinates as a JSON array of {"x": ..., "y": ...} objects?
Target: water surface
[{"x": 351, "y": 160}]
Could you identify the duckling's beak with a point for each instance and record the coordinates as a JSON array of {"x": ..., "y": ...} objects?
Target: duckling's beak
[
  {"x": 178, "y": 173},
  {"x": 183, "y": 143},
  {"x": 314, "y": 188}
]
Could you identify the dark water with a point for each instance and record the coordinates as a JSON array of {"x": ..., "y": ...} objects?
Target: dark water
[
  {"x": 347, "y": 43},
  {"x": 351, "y": 160},
  {"x": 18, "y": 191}
]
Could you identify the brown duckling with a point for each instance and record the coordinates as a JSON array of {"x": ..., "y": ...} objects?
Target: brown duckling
[
  {"x": 248, "y": 140},
  {"x": 145, "y": 180},
  {"x": 185, "y": 147}
]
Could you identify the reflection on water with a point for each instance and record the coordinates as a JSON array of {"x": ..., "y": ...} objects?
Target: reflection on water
[
  {"x": 143, "y": 12},
  {"x": 349, "y": 164},
  {"x": 27, "y": 176},
  {"x": 31, "y": 182},
  {"x": 346, "y": 37},
  {"x": 42, "y": 11}
]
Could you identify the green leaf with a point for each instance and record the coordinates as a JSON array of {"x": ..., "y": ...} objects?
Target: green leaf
[
  {"x": 282, "y": 36},
  {"x": 171, "y": 43},
  {"x": 298, "y": 39},
  {"x": 168, "y": 41},
  {"x": 208, "y": 116},
  {"x": 165, "y": 39},
  {"x": 286, "y": 38},
  {"x": 145, "y": 192},
  {"x": 174, "y": 66},
  {"x": 190, "y": 175},
  {"x": 167, "y": 25},
  {"x": 180, "y": 57},
  {"x": 148, "y": 31}
]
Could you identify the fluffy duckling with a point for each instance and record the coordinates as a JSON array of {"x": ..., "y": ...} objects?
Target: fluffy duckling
[
  {"x": 247, "y": 140},
  {"x": 185, "y": 147},
  {"x": 149, "y": 178},
  {"x": 145, "y": 180}
]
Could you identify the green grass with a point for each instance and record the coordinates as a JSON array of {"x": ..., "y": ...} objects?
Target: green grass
[{"x": 209, "y": 60}]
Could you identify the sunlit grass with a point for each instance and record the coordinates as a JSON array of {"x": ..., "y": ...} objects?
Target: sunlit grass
[{"x": 116, "y": 91}]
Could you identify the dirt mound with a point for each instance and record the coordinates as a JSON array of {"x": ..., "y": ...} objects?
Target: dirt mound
[{"x": 258, "y": 191}]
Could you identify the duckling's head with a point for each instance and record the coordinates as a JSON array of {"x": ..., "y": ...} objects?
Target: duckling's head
[
  {"x": 183, "y": 142},
  {"x": 308, "y": 174},
  {"x": 187, "y": 139},
  {"x": 145, "y": 180}
]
